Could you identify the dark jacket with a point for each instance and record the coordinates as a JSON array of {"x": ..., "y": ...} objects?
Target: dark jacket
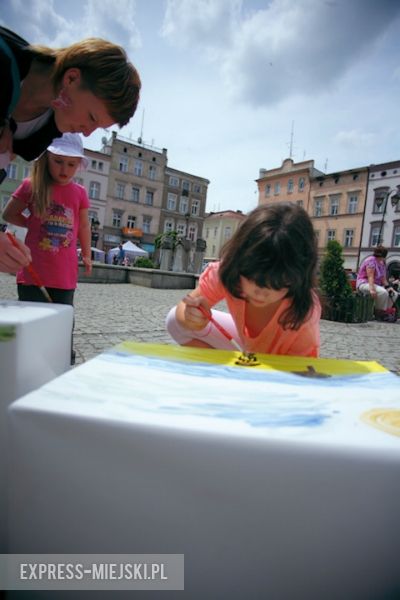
[{"x": 32, "y": 146}]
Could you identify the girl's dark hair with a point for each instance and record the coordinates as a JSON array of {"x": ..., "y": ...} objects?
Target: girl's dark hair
[{"x": 275, "y": 247}]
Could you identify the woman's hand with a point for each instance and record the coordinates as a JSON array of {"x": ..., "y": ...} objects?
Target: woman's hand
[
  {"x": 87, "y": 261},
  {"x": 13, "y": 258},
  {"x": 192, "y": 317}
]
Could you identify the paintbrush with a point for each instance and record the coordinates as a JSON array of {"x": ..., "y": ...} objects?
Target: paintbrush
[
  {"x": 221, "y": 329},
  {"x": 31, "y": 270}
]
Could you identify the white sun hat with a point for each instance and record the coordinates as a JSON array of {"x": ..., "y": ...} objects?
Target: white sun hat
[{"x": 70, "y": 144}]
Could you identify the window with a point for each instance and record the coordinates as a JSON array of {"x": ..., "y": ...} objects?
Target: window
[
  {"x": 290, "y": 186},
  {"x": 376, "y": 237},
  {"x": 215, "y": 231},
  {"x": 352, "y": 204},
  {"x": 168, "y": 225},
  {"x": 12, "y": 171},
  {"x": 195, "y": 207},
  {"x": 186, "y": 185},
  {"x": 149, "y": 198},
  {"x": 123, "y": 164},
  {"x": 78, "y": 180},
  {"x": 94, "y": 190},
  {"x": 192, "y": 232},
  {"x": 146, "y": 224},
  {"x": 348, "y": 237},
  {"x": 173, "y": 181},
  {"x": 227, "y": 232},
  {"x": 183, "y": 205},
  {"x": 116, "y": 219},
  {"x": 138, "y": 169},
  {"x": 92, "y": 214},
  {"x": 152, "y": 172},
  {"x": 330, "y": 235},
  {"x": 299, "y": 203},
  {"x": 120, "y": 191},
  {"x": 318, "y": 207},
  {"x": 181, "y": 228},
  {"x": 301, "y": 185},
  {"x": 334, "y": 205},
  {"x": 100, "y": 166},
  {"x": 131, "y": 221},
  {"x": 4, "y": 201},
  {"x": 171, "y": 201},
  {"x": 380, "y": 199},
  {"x": 213, "y": 251},
  {"x": 277, "y": 188},
  {"x": 93, "y": 164},
  {"x": 267, "y": 190},
  {"x": 396, "y": 236},
  {"x": 197, "y": 188},
  {"x": 27, "y": 172},
  {"x": 135, "y": 192},
  {"x": 207, "y": 232}
]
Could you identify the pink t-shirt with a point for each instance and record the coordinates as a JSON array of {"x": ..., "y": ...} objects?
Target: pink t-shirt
[
  {"x": 371, "y": 262},
  {"x": 273, "y": 339},
  {"x": 52, "y": 240}
]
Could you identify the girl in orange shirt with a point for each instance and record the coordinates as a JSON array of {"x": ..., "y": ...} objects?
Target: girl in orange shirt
[{"x": 266, "y": 276}]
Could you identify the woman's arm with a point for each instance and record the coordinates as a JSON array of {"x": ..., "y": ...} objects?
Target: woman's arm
[
  {"x": 84, "y": 238},
  {"x": 13, "y": 212}
]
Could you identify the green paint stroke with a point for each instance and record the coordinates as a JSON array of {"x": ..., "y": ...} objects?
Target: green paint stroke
[{"x": 7, "y": 332}]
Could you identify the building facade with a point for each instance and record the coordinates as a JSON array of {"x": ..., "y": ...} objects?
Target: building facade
[
  {"x": 184, "y": 204},
  {"x": 18, "y": 170},
  {"x": 218, "y": 229},
  {"x": 381, "y": 223},
  {"x": 95, "y": 181},
  {"x": 135, "y": 192},
  {"x": 336, "y": 207}
]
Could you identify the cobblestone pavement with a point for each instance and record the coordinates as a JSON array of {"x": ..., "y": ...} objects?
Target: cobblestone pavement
[{"x": 106, "y": 314}]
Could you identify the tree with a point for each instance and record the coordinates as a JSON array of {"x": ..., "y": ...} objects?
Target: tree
[{"x": 333, "y": 281}]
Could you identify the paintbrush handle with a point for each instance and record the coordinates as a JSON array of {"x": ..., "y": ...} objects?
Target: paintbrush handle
[{"x": 220, "y": 328}]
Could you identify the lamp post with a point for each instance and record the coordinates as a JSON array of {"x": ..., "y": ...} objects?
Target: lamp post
[{"x": 384, "y": 199}]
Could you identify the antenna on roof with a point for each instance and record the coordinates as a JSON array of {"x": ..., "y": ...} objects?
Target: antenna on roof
[
  {"x": 291, "y": 141},
  {"x": 140, "y": 139}
]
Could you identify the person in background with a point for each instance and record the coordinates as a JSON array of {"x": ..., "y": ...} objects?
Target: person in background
[
  {"x": 266, "y": 276},
  {"x": 46, "y": 92},
  {"x": 121, "y": 254},
  {"x": 54, "y": 209},
  {"x": 372, "y": 279}
]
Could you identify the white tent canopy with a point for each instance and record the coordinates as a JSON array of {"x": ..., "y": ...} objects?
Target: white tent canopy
[
  {"x": 131, "y": 251},
  {"x": 97, "y": 254}
]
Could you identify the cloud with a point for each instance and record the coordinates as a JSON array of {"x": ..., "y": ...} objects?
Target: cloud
[
  {"x": 287, "y": 48},
  {"x": 354, "y": 138},
  {"x": 111, "y": 20},
  {"x": 207, "y": 24}
]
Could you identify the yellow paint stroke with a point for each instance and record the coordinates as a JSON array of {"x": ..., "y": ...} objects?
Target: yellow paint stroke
[
  {"x": 386, "y": 419},
  {"x": 267, "y": 362}
]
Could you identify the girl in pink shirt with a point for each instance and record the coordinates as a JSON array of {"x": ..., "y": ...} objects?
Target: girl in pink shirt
[
  {"x": 266, "y": 276},
  {"x": 54, "y": 209}
]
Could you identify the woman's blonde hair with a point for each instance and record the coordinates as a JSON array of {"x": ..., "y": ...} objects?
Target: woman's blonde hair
[
  {"x": 41, "y": 183},
  {"x": 105, "y": 71}
]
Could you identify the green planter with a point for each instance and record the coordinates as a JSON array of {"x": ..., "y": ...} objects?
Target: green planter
[{"x": 354, "y": 309}]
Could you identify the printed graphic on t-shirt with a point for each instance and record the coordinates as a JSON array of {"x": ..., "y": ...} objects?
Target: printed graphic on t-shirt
[{"x": 56, "y": 230}]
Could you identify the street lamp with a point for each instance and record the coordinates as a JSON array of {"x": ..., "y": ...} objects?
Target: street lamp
[{"x": 384, "y": 199}]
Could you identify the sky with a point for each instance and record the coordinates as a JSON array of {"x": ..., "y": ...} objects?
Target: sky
[{"x": 226, "y": 82}]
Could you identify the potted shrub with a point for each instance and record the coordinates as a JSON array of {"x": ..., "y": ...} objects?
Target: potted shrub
[{"x": 339, "y": 302}]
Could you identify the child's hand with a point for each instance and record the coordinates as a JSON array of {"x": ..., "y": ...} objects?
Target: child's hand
[
  {"x": 87, "y": 261},
  {"x": 194, "y": 318}
]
